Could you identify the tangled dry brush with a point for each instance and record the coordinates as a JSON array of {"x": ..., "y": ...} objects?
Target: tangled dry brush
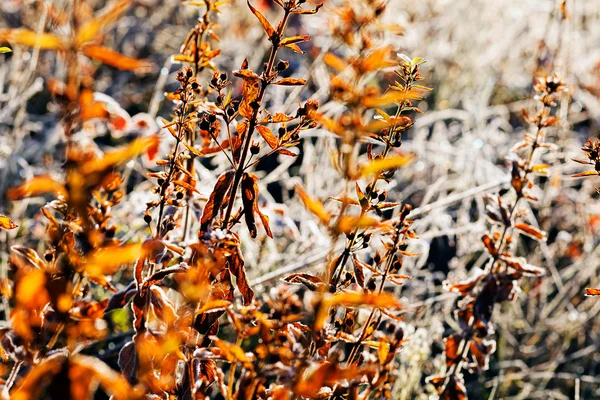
[{"x": 282, "y": 199}]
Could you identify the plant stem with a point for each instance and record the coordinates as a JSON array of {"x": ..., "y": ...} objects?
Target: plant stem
[{"x": 265, "y": 81}]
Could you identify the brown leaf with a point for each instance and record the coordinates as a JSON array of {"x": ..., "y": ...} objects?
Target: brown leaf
[
  {"x": 290, "y": 82},
  {"x": 250, "y": 93},
  {"x": 112, "y": 158},
  {"x": 214, "y": 305},
  {"x": 250, "y": 202},
  {"x": 451, "y": 346},
  {"x": 358, "y": 271},
  {"x": 212, "y": 207},
  {"x": 312, "y": 282},
  {"x": 237, "y": 269},
  {"x": 270, "y": 31}
]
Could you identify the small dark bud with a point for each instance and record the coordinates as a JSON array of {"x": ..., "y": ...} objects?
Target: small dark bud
[
  {"x": 381, "y": 197},
  {"x": 212, "y": 117},
  {"x": 204, "y": 125},
  {"x": 282, "y": 65},
  {"x": 48, "y": 257},
  {"x": 179, "y": 195},
  {"x": 371, "y": 285},
  {"x": 147, "y": 218},
  {"x": 254, "y": 149}
]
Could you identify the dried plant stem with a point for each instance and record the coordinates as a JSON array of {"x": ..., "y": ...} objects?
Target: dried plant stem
[
  {"x": 389, "y": 263},
  {"x": 337, "y": 270},
  {"x": 464, "y": 346},
  {"x": 265, "y": 81}
]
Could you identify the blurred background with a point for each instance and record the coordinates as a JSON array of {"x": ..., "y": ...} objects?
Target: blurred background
[{"x": 482, "y": 59}]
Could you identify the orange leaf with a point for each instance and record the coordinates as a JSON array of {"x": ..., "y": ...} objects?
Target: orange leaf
[
  {"x": 37, "y": 186},
  {"x": 110, "y": 159},
  {"x": 383, "y": 164},
  {"x": 290, "y": 82},
  {"x": 389, "y": 98},
  {"x": 214, "y": 305},
  {"x": 7, "y": 223},
  {"x": 108, "y": 260},
  {"x": 268, "y": 135},
  {"x": 26, "y": 37},
  {"x": 531, "y": 231},
  {"x": 115, "y": 59},
  {"x": 294, "y": 39},
  {"x": 313, "y": 205},
  {"x": 592, "y": 292},
  {"x": 335, "y": 62},
  {"x": 89, "y": 30},
  {"x": 354, "y": 299},
  {"x": 585, "y": 173}
]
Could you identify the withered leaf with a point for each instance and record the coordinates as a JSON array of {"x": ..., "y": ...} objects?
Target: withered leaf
[
  {"x": 116, "y": 60},
  {"x": 212, "y": 207},
  {"x": 290, "y": 82},
  {"x": 313, "y": 205},
  {"x": 268, "y": 135},
  {"x": 358, "y": 271},
  {"x": 26, "y": 37},
  {"x": 531, "y": 231},
  {"x": 121, "y": 298},
  {"x": 250, "y": 202},
  {"x": 354, "y": 299},
  {"x": 127, "y": 361},
  {"x": 108, "y": 260},
  {"x": 250, "y": 93},
  {"x": 585, "y": 173},
  {"x": 7, "y": 223},
  {"x": 310, "y": 281},
  {"x": 235, "y": 263},
  {"x": 592, "y": 292},
  {"x": 451, "y": 347},
  {"x": 37, "y": 186},
  {"x": 489, "y": 244},
  {"x": 294, "y": 39},
  {"x": 269, "y": 30},
  {"x": 335, "y": 62},
  {"x": 383, "y": 164},
  {"x": 214, "y": 305}
]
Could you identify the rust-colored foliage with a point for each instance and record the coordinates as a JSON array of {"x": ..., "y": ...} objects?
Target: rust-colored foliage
[{"x": 471, "y": 347}]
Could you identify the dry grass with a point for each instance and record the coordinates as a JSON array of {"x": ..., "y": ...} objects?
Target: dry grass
[{"x": 482, "y": 61}]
